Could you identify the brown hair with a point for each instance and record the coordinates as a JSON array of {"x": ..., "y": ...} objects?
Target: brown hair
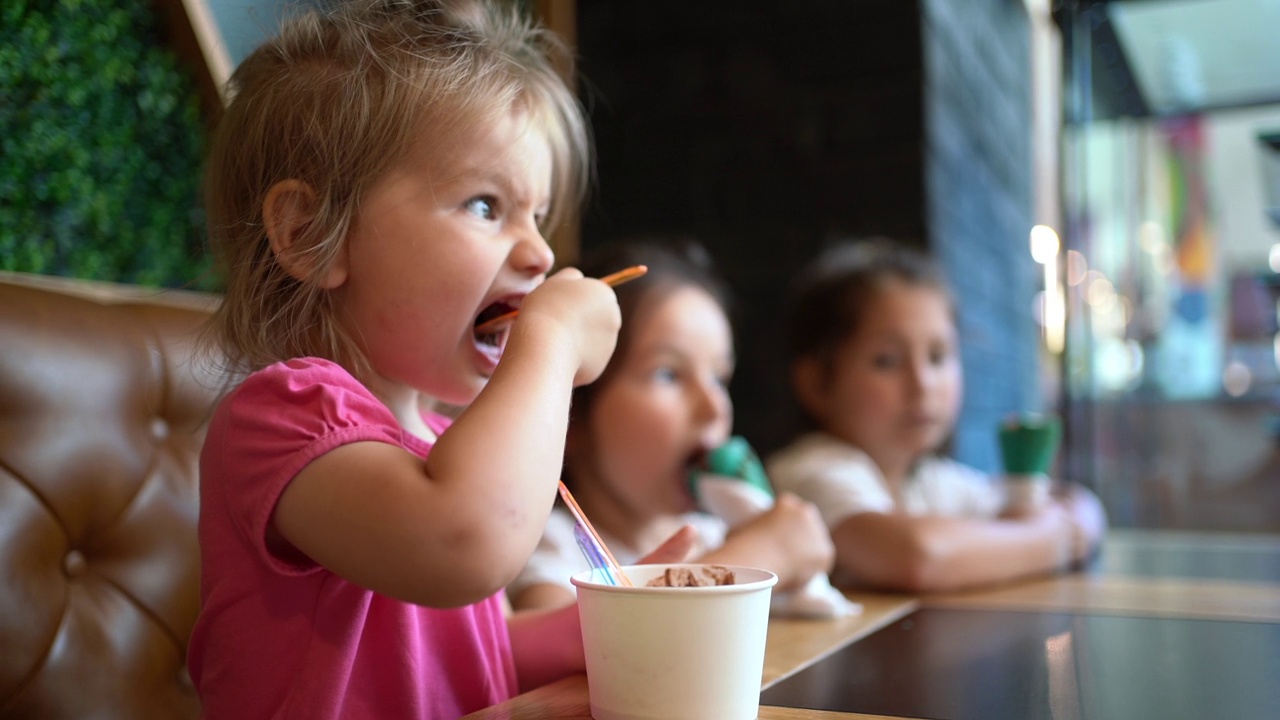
[
  {"x": 335, "y": 100},
  {"x": 830, "y": 295}
]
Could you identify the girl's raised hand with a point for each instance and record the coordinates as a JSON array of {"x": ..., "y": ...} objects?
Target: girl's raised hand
[
  {"x": 794, "y": 537},
  {"x": 578, "y": 310},
  {"x": 679, "y": 548}
]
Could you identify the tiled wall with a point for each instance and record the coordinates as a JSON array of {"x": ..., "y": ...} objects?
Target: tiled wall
[
  {"x": 763, "y": 128},
  {"x": 979, "y": 183}
]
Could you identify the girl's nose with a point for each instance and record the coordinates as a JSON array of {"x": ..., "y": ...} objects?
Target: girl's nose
[
  {"x": 921, "y": 376},
  {"x": 712, "y": 405},
  {"x": 532, "y": 254}
]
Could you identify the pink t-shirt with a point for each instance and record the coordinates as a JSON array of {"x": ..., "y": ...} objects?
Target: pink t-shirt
[{"x": 279, "y": 639}]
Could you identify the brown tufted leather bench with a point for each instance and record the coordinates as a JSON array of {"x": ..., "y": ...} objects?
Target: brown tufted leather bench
[{"x": 102, "y": 413}]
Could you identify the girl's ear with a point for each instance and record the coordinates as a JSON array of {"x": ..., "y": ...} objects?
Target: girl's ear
[
  {"x": 290, "y": 206},
  {"x": 808, "y": 379}
]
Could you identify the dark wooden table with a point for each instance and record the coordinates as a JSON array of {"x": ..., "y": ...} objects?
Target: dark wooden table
[{"x": 1162, "y": 625}]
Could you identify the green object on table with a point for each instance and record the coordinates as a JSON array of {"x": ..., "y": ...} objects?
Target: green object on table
[
  {"x": 736, "y": 459},
  {"x": 1028, "y": 444}
]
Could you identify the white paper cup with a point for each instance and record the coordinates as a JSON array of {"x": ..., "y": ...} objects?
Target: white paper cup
[
  {"x": 1026, "y": 492},
  {"x": 657, "y": 653}
]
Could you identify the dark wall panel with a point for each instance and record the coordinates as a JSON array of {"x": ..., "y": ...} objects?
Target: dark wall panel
[{"x": 760, "y": 128}]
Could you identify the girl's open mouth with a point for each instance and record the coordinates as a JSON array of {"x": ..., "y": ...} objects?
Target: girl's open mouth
[{"x": 495, "y": 336}]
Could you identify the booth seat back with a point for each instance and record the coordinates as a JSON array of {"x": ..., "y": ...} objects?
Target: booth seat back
[{"x": 103, "y": 407}]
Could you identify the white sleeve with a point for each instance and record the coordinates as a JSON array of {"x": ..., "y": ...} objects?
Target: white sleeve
[
  {"x": 841, "y": 480},
  {"x": 556, "y": 559},
  {"x": 949, "y": 487},
  {"x": 984, "y": 496}
]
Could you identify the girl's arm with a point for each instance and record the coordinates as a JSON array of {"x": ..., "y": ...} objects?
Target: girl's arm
[
  {"x": 925, "y": 554},
  {"x": 789, "y": 539},
  {"x": 458, "y": 527},
  {"x": 1087, "y": 516}
]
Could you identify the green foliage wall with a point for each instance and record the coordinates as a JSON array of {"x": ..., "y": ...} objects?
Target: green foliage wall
[{"x": 101, "y": 144}]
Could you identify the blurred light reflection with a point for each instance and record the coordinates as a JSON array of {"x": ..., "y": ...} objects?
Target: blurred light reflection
[
  {"x": 1151, "y": 237},
  {"x": 1044, "y": 244},
  {"x": 1101, "y": 294},
  {"x": 1064, "y": 687},
  {"x": 1077, "y": 267},
  {"x": 1236, "y": 378}
]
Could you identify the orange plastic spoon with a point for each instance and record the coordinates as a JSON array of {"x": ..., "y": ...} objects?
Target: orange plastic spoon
[{"x": 612, "y": 280}]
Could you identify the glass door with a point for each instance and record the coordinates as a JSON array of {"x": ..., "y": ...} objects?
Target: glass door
[{"x": 1172, "y": 246}]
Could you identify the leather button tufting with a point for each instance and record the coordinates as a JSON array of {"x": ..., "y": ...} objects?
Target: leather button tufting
[
  {"x": 74, "y": 563},
  {"x": 99, "y": 544}
]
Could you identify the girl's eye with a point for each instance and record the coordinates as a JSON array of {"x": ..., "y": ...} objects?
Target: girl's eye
[
  {"x": 941, "y": 354},
  {"x": 483, "y": 207},
  {"x": 885, "y": 361},
  {"x": 665, "y": 374}
]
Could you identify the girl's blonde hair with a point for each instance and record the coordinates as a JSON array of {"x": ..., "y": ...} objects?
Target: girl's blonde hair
[{"x": 335, "y": 100}]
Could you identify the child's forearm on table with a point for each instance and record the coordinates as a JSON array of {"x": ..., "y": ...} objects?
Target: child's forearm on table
[{"x": 935, "y": 554}]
